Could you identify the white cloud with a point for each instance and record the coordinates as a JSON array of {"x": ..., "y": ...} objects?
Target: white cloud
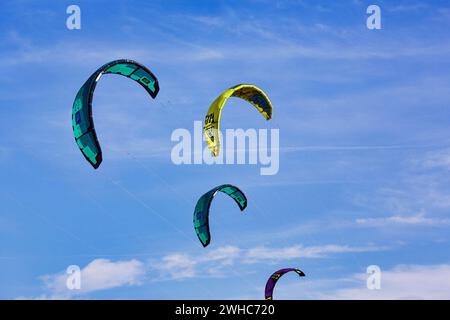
[
  {"x": 99, "y": 274},
  {"x": 224, "y": 254},
  {"x": 178, "y": 266},
  {"x": 403, "y": 282}
]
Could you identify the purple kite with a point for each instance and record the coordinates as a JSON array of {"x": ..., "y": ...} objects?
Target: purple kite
[{"x": 270, "y": 285}]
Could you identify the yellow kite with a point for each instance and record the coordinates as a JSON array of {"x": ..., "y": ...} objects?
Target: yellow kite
[{"x": 249, "y": 93}]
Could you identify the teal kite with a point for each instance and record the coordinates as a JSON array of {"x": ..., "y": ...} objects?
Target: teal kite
[
  {"x": 82, "y": 122},
  {"x": 201, "y": 213}
]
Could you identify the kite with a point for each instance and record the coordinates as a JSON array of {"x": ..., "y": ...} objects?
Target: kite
[
  {"x": 201, "y": 213},
  {"x": 249, "y": 93},
  {"x": 270, "y": 285},
  {"x": 82, "y": 121}
]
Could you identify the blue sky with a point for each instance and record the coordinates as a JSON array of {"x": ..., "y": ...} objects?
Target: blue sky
[{"x": 364, "y": 150}]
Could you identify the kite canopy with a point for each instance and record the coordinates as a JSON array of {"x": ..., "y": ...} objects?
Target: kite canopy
[
  {"x": 270, "y": 285},
  {"x": 249, "y": 93},
  {"x": 201, "y": 213},
  {"x": 82, "y": 122}
]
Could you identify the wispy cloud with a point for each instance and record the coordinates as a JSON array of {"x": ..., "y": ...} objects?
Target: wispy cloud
[
  {"x": 269, "y": 41},
  {"x": 413, "y": 220},
  {"x": 296, "y": 252},
  {"x": 437, "y": 160},
  {"x": 178, "y": 266},
  {"x": 408, "y": 7}
]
